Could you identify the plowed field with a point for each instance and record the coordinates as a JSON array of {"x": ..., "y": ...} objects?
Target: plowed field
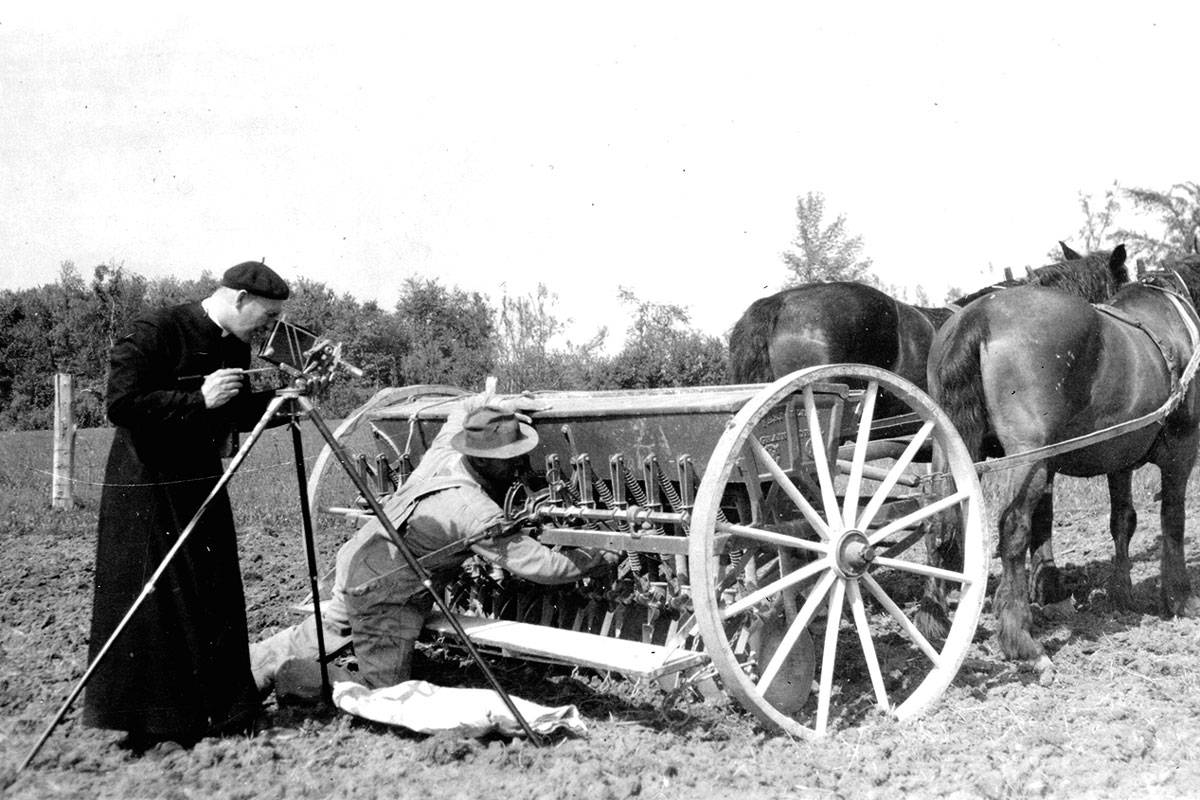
[{"x": 1118, "y": 717}]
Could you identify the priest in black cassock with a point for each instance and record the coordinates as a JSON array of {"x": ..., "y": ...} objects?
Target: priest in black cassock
[{"x": 180, "y": 670}]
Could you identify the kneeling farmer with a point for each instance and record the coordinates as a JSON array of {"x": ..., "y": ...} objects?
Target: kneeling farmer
[{"x": 451, "y": 507}]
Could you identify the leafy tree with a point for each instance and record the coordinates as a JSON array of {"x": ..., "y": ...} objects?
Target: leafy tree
[
  {"x": 169, "y": 291},
  {"x": 118, "y": 298},
  {"x": 1178, "y": 209},
  {"x": 662, "y": 349},
  {"x": 823, "y": 252},
  {"x": 26, "y": 358},
  {"x": 913, "y": 295},
  {"x": 1099, "y": 217},
  {"x": 526, "y": 327},
  {"x": 448, "y": 334},
  {"x": 527, "y": 356}
]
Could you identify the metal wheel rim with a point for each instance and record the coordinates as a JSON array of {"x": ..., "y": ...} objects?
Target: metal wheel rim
[{"x": 702, "y": 560}]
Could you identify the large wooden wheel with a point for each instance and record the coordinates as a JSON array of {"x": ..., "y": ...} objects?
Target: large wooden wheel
[
  {"x": 807, "y": 564},
  {"x": 331, "y": 493}
]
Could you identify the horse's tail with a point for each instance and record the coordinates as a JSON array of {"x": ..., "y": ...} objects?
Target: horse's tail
[
  {"x": 749, "y": 354},
  {"x": 956, "y": 382}
]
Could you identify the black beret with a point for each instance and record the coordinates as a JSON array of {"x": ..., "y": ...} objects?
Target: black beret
[{"x": 256, "y": 278}]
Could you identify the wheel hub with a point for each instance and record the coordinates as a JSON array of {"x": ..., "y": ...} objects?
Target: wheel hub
[{"x": 852, "y": 554}]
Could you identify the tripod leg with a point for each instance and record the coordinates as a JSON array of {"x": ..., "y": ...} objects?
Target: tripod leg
[
  {"x": 310, "y": 552},
  {"x": 418, "y": 569},
  {"x": 148, "y": 589}
]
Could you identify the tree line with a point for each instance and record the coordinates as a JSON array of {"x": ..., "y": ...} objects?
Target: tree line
[
  {"x": 444, "y": 334},
  {"x": 433, "y": 334}
]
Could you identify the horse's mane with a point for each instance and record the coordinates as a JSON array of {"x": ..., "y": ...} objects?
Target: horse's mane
[
  {"x": 939, "y": 314},
  {"x": 1093, "y": 277}
]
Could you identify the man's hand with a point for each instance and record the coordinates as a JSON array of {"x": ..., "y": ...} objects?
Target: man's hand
[
  {"x": 522, "y": 404},
  {"x": 602, "y": 560},
  {"x": 525, "y": 403},
  {"x": 221, "y": 386}
]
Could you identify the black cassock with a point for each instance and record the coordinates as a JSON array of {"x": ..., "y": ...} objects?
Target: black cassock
[{"x": 181, "y": 668}]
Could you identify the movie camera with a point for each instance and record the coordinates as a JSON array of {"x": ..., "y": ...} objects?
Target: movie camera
[{"x": 304, "y": 355}]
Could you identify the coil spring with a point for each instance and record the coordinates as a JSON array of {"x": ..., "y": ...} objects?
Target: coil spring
[
  {"x": 633, "y": 558},
  {"x": 668, "y": 490}
]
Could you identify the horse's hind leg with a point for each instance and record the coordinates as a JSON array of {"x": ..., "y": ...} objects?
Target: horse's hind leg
[
  {"x": 1175, "y": 588},
  {"x": 1122, "y": 520},
  {"x": 1047, "y": 585},
  {"x": 943, "y": 543},
  {"x": 1011, "y": 600}
]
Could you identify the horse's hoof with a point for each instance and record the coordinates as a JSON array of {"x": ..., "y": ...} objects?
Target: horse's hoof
[
  {"x": 1019, "y": 646},
  {"x": 1119, "y": 595},
  {"x": 932, "y": 621},
  {"x": 1048, "y": 588},
  {"x": 1063, "y": 609},
  {"x": 1189, "y": 608},
  {"x": 1045, "y": 670}
]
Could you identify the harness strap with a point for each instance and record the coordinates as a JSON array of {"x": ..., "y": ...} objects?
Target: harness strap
[
  {"x": 1168, "y": 355},
  {"x": 1187, "y": 313},
  {"x": 1180, "y": 387}
]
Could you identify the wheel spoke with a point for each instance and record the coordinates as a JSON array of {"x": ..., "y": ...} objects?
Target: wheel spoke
[
  {"x": 921, "y": 569},
  {"x": 685, "y": 627},
  {"x": 821, "y": 461},
  {"x": 749, "y": 479},
  {"x": 908, "y": 520},
  {"x": 833, "y": 620},
  {"x": 867, "y": 416},
  {"x": 775, "y": 587},
  {"x": 858, "y": 609},
  {"x": 771, "y": 537},
  {"x": 836, "y": 546},
  {"x": 881, "y": 493},
  {"x": 898, "y": 546},
  {"x": 910, "y": 630},
  {"x": 798, "y": 626},
  {"x": 789, "y": 488},
  {"x": 762, "y": 571}
]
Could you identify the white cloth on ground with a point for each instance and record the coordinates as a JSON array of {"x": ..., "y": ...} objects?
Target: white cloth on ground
[{"x": 425, "y": 708}]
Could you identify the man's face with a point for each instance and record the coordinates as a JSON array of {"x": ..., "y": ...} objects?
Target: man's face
[
  {"x": 251, "y": 314},
  {"x": 498, "y": 473}
]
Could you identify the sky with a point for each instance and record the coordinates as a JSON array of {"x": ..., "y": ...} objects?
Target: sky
[{"x": 658, "y": 147}]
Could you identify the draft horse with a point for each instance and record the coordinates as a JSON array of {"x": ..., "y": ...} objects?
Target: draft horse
[
  {"x": 828, "y": 323},
  {"x": 1030, "y": 367},
  {"x": 843, "y": 322}
]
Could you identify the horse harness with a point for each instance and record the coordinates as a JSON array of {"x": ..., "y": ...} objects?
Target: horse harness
[
  {"x": 1180, "y": 376},
  {"x": 1164, "y": 350},
  {"x": 1180, "y": 380}
]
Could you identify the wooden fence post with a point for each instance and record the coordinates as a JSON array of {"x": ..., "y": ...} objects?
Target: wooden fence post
[{"x": 62, "y": 488}]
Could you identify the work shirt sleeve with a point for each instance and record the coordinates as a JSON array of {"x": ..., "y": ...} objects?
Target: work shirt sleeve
[
  {"x": 527, "y": 558},
  {"x": 466, "y": 515}
]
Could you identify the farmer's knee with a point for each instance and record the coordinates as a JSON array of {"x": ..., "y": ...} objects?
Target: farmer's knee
[{"x": 384, "y": 638}]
